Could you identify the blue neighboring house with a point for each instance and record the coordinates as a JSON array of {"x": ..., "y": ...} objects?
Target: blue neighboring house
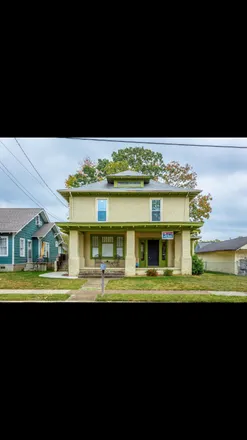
[{"x": 25, "y": 236}]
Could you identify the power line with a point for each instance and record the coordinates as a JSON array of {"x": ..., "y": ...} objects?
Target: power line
[
  {"x": 157, "y": 143},
  {"x": 25, "y": 191},
  {"x": 40, "y": 174},
  {"x": 22, "y": 164}
]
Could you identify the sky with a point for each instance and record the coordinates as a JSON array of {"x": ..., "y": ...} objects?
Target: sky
[{"x": 221, "y": 172}]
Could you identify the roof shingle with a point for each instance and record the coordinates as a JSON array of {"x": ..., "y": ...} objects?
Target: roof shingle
[
  {"x": 14, "y": 219},
  {"x": 227, "y": 245}
]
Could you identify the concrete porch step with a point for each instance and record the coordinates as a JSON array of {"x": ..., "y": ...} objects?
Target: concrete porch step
[{"x": 97, "y": 274}]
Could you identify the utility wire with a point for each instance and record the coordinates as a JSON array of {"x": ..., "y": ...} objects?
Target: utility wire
[
  {"x": 40, "y": 174},
  {"x": 157, "y": 143},
  {"x": 25, "y": 191},
  {"x": 22, "y": 164}
]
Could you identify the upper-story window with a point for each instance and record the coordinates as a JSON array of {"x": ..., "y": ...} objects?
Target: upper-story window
[
  {"x": 156, "y": 211},
  {"x": 4, "y": 246},
  {"x": 129, "y": 184},
  {"x": 102, "y": 210},
  {"x": 38, "y": 221}
]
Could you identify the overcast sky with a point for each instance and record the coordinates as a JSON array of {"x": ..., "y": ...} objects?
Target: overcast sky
[{"x": 222, "y": 172}]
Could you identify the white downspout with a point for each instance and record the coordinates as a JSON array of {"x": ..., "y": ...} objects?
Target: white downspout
[{"x": 13, "y": 249}]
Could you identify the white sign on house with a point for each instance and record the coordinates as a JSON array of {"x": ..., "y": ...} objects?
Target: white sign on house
[{"x": 167, "y": 235}]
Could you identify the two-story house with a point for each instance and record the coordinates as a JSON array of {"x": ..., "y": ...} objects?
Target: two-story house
[
  {"x": 130, "y": 218},
  {"x": 25, "y": 236}
]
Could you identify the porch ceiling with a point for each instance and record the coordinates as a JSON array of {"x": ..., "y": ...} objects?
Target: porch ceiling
[{"x": 148, "y": 227}]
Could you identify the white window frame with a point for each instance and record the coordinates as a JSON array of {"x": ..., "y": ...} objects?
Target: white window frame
[
  {"x": 38, "y": 220},
  {"x": 48, "y": 248},
  {"x": 161, "y": 209},
  {"x": 6, "y": 255},
  {"x": 24, "y": 247},
  {"x": 107, "y": 208}
]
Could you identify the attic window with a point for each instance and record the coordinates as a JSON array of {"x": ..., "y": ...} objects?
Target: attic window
[
  {"x": 38, "y": 221},
  {"x": 130, "y": 184}
]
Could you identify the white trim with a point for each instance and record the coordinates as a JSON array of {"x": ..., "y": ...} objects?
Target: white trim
[
  {"x": 96, "y": 208},
  {"x": 5, "y": 236},
  {"x": 13, "y": 248},
  {"x": 151, "y": 208},
  {"x": 30, "y": 241},
  {"x": 24, "y": 248}
]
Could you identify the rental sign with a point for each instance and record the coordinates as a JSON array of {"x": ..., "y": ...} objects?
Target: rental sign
[{"x": 167, "y": 235}]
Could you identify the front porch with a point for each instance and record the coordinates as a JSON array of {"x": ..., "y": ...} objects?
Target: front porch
[{"x": 129, "y": 253}]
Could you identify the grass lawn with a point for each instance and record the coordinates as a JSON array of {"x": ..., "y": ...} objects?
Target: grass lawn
[
  {"x": 207, "y": 281},
  {"x": 173, "y": 298},
  {"x": 31, "y": 280},
  {"x": 24, "y": 297}
]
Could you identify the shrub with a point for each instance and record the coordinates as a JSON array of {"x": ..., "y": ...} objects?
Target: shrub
[
  {"x": 168, "y": 273},
  {"x": 197, "y": 265},
  {"x": 152, "y": 273}
]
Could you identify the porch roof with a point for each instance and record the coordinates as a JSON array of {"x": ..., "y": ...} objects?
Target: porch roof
[{"x": 153, "y": 227}]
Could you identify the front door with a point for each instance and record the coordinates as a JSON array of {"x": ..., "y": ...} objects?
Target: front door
[
  {"x": 153, "y": 252},
  {"x": 29, "y": 251}
]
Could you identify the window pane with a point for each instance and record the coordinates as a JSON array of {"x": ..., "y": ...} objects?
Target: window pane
[
  {"x": 95, "y": 252},
  {"x": 142, "y": 251},
  {"x": 119, "y": 241},
  {"x": 155, "y": 205},
  {"x": 156, "y": 216},
  {"x": 120, "y": 252},
  {"x": 102, "y": 216},
  {"x": 107, "y": 239},
  {"x": 3, "y": 246},
  {"x": 95, "y": 241},
  {"x": 107, "y": 250},
  {"x": 102, "y": 205}
]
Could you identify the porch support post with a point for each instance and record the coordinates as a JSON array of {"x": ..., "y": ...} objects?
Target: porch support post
[
  {"x": 186, "y": 260},
  {"x": 74, "y": 260},
  {"x": 130, "y": 260},
  {"x": 177, "y": 250}
]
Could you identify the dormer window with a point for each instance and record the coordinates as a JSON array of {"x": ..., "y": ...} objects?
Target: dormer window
[
  {"x": 38, "y": 221},
  {"x": 129, "y": 184}
]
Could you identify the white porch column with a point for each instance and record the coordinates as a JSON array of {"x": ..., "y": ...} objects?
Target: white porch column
[
  {"x": 177, "y": 250},
  {"x": 130, "y": 259},
  {"x": 74, "y": 260},
  {"x": 82, "y": 250},
  {"x": 186, "y": 260}
]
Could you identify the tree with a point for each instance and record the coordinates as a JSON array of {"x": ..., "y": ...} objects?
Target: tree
[{"x": 147, "y": 162}]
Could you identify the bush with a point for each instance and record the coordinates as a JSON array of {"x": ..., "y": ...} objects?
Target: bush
[
  {"x": 168, "y": 273},
  {"x": 197, "y": 265},
  {"x": 152, "y": 273}
]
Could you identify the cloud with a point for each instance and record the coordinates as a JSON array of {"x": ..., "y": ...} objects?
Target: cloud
[{"x": 222, "y": 172}]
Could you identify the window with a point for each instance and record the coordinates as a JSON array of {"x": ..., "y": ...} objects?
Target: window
[
  {"x": 38, "y": 221},
  {"x": 46, "y": 250},
  {"x": 95, "y": 246},
  {"x": 4, "y": 246},
  {"x": 22, "y": 247},
  {"x": 107, "y": 246},
  {"x": 102, "y": 210},
  {"x": 156, "y": 210},
  {"x": 120, "y": 249},
  {"x": 164, "y": 250},
  {"x": 142, "y": 251},
  {"x": 129, "y": 184}
]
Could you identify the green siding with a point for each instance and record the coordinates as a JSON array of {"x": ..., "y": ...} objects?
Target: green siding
[
  {"x": 53, "y": 249},
  {"x": 8, "y": 259},
  {"x": 25, "y": 233}
]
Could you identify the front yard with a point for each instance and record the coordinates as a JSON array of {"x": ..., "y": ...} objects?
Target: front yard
[
  {"x": 207, "y": 281},
  {"x": 31, "y": 280},
  {"x": 173, "y": 298},
  {"x": 35, "y": 297}
]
